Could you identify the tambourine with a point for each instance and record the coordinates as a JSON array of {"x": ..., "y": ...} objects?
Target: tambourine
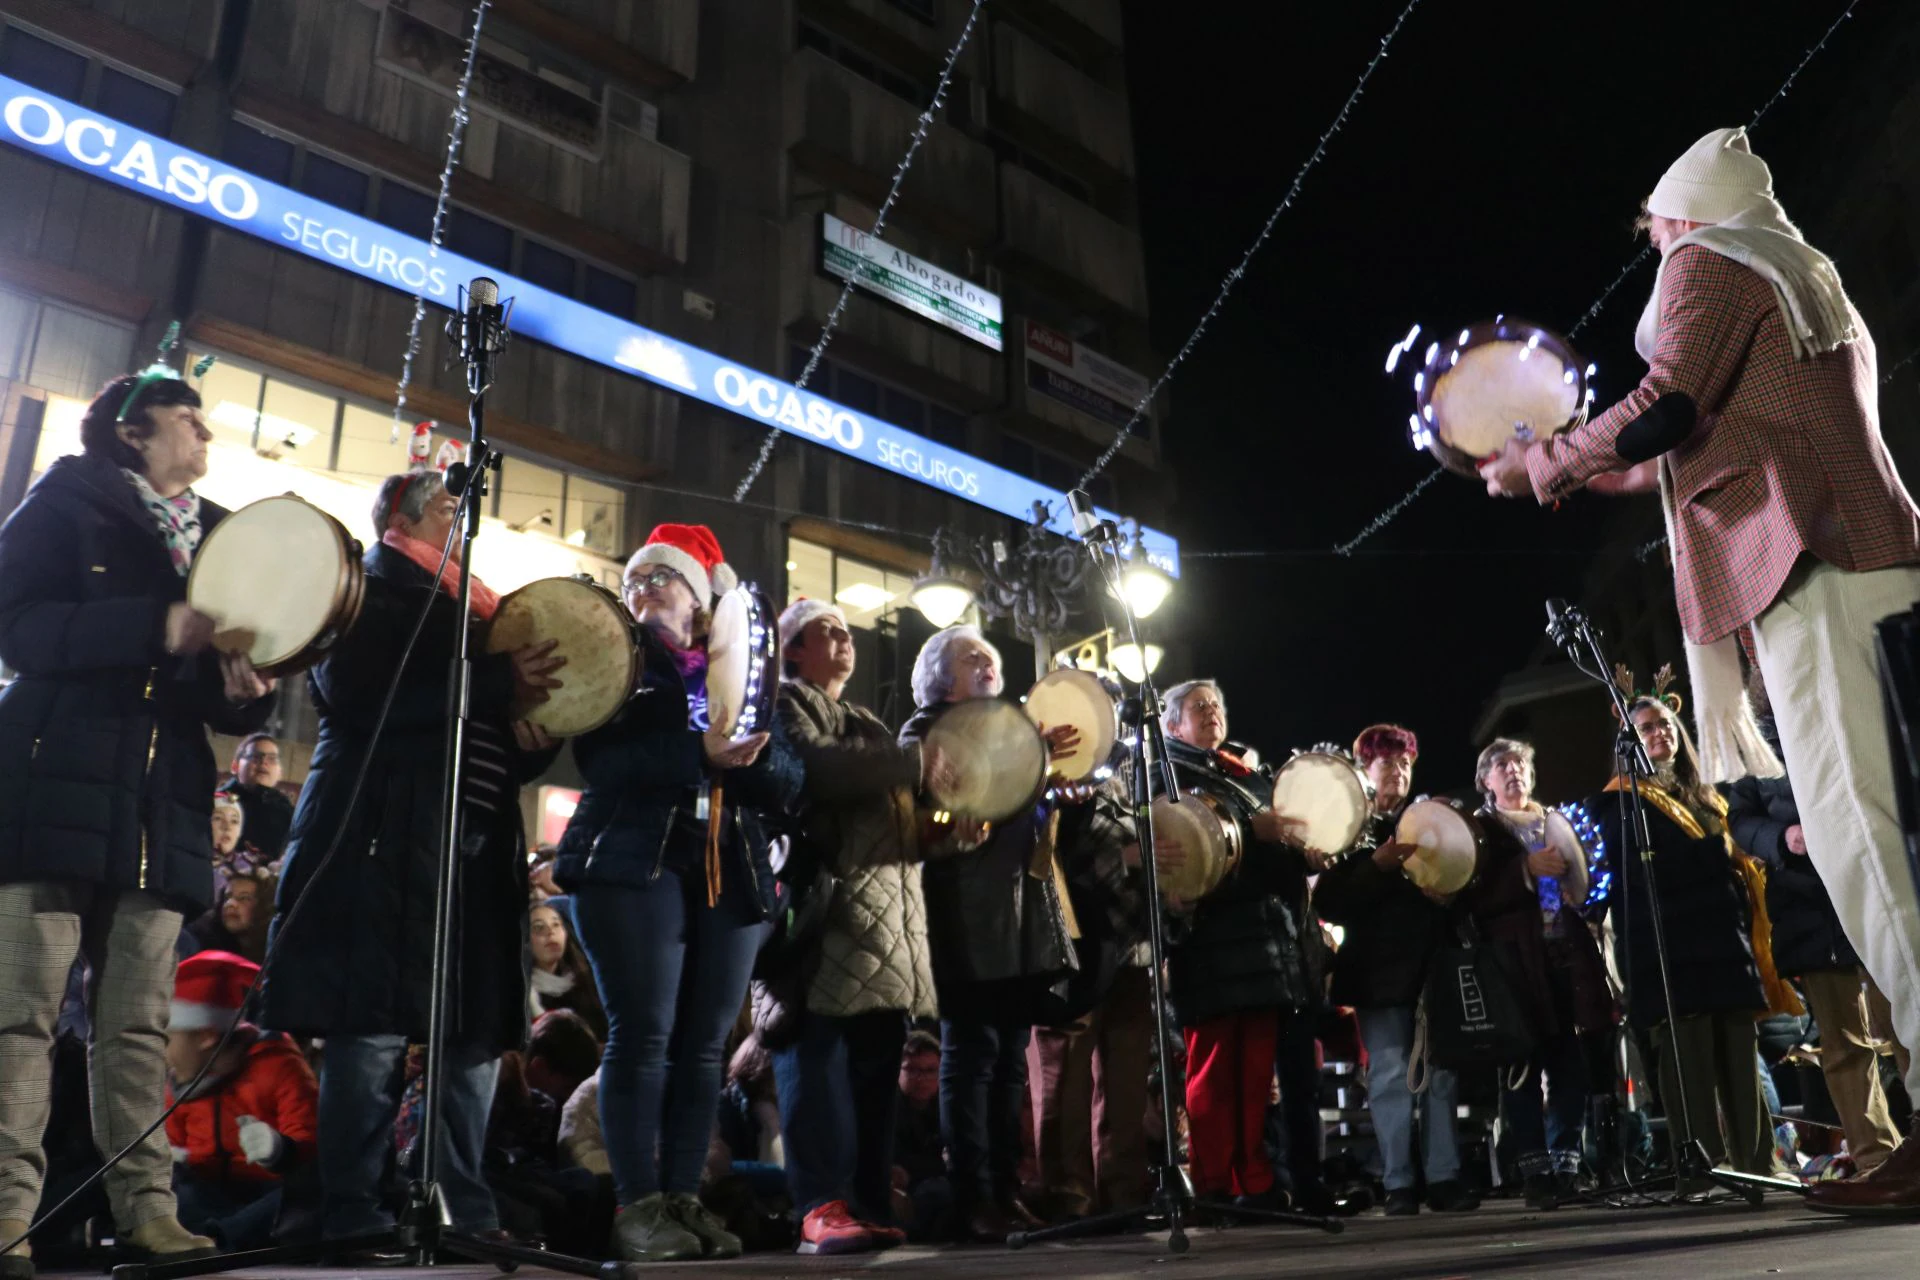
[{"x": 1492, "y": 383}]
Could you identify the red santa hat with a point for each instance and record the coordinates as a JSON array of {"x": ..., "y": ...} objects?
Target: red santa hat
[
  {"x": 691, "y": 551},
  {"x": 208, "y": 990}
]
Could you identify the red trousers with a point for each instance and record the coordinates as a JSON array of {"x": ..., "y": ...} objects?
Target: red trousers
[{"x": 1229, "y": 1083}]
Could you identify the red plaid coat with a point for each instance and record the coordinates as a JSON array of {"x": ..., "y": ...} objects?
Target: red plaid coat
[{"x": 1786, "y": 457}]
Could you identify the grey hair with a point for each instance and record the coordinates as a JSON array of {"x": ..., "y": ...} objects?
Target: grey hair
[
  {"x": 1174, "y": 701},
  {"x": 1493, "y": 753},
  {"x": 414, "y": 489},
  {"x": 933, "y": 669}
]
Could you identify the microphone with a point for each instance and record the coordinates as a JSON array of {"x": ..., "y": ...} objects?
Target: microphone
[
  {"x": 1565, "y": 622},
  {"x": 1087, "y": 525},
  {"x": 480, "y": 329}
]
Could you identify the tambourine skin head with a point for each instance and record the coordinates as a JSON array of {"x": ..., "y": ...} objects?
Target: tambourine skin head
[
  {"x": 282, "y": 581},
  {"x": 1495, "y": 381},
  {"x": 591, "y": 630}
]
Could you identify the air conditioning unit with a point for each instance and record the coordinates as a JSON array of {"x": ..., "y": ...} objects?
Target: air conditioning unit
[{"x": 634, "y": 114}]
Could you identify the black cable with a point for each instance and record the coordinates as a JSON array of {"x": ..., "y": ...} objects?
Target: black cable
[{"x": 186, "y": 1091}]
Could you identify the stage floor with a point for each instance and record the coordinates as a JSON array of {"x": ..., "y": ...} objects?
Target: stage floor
[{"x": 1501, "y": 1239}]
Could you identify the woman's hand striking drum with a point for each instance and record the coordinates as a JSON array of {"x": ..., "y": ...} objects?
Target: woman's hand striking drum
[
  {"x": 243, "y": 683},
  {"x": 533, "y": 668},
  {"x": 725, "y": 753},
  {"x": 188, "y": 630}
]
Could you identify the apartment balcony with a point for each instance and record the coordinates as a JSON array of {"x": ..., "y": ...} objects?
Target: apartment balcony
[
  {"x": 1053, "y": 236},
  {"x": 655, "y": 44},
  {"x": 1061, "y": 99},
  {"x": 849, "y": 134}
]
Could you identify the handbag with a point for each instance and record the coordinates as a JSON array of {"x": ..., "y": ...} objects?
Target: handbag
[{"x": 1469, "y": 1015}]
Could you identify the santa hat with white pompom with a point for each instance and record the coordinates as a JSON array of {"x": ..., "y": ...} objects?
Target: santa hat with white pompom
[{"x": 691, "y": 551}]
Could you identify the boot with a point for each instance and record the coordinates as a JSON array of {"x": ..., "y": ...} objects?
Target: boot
[
  {"x": 18, "y": 1263},
  {"x": 163, "y": 1239},
  {"x": 648, "y": 1231}
]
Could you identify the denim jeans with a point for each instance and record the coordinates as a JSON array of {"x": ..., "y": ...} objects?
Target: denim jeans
[
  {"x": 360, "y": 1087},
  {"x": 1556, "y": 1121},
  {"x": 983, "y": 1083},
  {"x": 839, "y": 1087},
  {"x": 238, "y": 1215},
  {"x": 672, "y": 974},
  {"x": 1388, "y": 1036}
]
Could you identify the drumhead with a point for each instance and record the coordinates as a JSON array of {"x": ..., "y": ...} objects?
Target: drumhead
[
  {"x": 742, "y": 670},
  {"x": 1068, "y": 695},
  {"x": 1197, "y": 824},
  {"x": 999, "y": 758},
  {"x": 1327, "y": 796},
  {"x": 1449, "y": 852},
  {"x": 272, "y": 576},
  {"x": 592, "y": 631}
]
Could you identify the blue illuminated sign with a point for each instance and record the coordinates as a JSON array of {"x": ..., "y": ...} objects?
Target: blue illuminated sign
[{"x": 77, "y": 138}]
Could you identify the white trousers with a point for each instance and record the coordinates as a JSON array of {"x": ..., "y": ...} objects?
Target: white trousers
[{"x": 1815, "y": 644}]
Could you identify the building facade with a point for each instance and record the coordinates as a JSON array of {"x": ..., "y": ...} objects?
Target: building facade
[{"x": 676, "y": 190}]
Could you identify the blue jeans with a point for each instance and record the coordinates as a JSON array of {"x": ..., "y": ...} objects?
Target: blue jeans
[
  {"x": 238, "y": 1215},
  {"x": 983, "y": 1084},
  {"x": 1555, "y": 1122},
  {"x": 672, "y": 974},
  {"x": 839, "y": 1084},
  {"x": 360, "y": 1087},
  {"x": 1388, "y": 1036}
]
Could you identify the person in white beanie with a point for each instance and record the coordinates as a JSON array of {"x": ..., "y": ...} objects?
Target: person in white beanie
[{"x": 1758, "y": 424}]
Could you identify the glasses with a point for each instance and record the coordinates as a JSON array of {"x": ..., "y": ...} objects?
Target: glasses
[
  {"x": 265, "y": 757},
  {"x": 657, "y": 579}
]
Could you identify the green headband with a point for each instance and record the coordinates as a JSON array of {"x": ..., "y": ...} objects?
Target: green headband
[{"x": 160, "y": 370}]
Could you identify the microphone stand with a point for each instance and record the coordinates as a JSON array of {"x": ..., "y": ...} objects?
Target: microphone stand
[
  {"x": 1568, "y": 627},
  {"x": 1172, "y": 1199},
  {"x": 424, "y": 1232}
]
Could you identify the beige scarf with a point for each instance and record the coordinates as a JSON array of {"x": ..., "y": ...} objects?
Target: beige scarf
[{"x": 1819, "y": 318}]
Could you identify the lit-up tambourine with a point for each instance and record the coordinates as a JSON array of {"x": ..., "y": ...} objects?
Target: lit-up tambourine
[{"x": 1491, "y": 383}]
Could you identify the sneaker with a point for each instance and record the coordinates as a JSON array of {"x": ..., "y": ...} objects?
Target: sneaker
[
  {"x": 649, "y": 1231},
  {"x": 1451, "y": 1196},
  {"x": 832, "y": 1229},
  {"x": 715, "y": 1240},
  {"x": 1402, "y": 1203},
  {"x": 884, "y": 1237}
]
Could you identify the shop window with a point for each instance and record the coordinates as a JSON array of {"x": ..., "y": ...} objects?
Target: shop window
[
  {"x": 809, "y": 571},
  {"x": 596, "y": 516},
  {"x": 366, "y": 450},
  {"x": 860, "y": 590},
  {"x": 296, "y": 425},
  {"x": 548, "y": 268},
  {"x": 75, "y": 354},
  {"x": 18, "y": 312},
  {"x": 337, "y": 184},
  {"x": 531, "y": 497},
  {"x": 230, "y": 398},
  {"x": 42, "y": 64},
  {"x": 608, "y": 292},
  {"x": 260, "y": 154}
]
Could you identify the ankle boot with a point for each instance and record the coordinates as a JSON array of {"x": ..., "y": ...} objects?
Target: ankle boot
[
  {"x": 18, "y": 1263},
  {"x": 164, "y": 1239}
]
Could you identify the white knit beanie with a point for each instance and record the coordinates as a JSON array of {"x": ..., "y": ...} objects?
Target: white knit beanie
[
  {"x": 1713, "y": 180},
  {"x": 802, "y": 613}
]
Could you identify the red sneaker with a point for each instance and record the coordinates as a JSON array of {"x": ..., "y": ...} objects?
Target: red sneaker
[
  {"x": 884, "y": 1237},
  {"x": 831, "y": 1229}
]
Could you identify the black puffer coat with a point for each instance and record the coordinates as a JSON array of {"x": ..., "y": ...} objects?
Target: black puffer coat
[
  {"x": 1807, "y": 936},
  {"x": 991, "y": 922},
  {"x": 1703, "y": 911},
  {"x": 105, "y": 772},
  {"x": 643, "y": 771},
  {"x": 357, "y": 960},
  {"x": 1244, "y": 947},
  {"x": 1392, "y": 929}
]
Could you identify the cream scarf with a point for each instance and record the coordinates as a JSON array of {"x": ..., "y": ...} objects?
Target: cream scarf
[{"x": 1819, "y": 318}]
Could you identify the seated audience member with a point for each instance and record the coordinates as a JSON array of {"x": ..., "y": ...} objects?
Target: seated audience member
[
  {"x": 238, "y": 924},
  {"x": 581, "y": 1145},
  {"x": 921, "y": 1192},
  {"x": 748, "y": 1123},
  {"x": 249, "y": 1123},
  {"x": 255, "y": 785},
  {"x": 229, "y": 828},
  {"x": 562, "y": 1052},
  {"x": 539, "y": 1195},
  {"x": 561, "y": 978}
]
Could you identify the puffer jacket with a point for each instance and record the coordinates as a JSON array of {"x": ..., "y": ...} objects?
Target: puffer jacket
[
  {"x": 1807, "y": 936},
  {"x": 644, "y": 770},
  {"x": 989, "y": 920},
  {"x": 275, "y": 1086},
  {"x": 859, "y": 818}
]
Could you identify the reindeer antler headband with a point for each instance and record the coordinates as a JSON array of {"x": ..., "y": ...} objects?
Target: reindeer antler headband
[
  {"x": 1662, "y": 682},
  {"x": 160, "y": 370}
]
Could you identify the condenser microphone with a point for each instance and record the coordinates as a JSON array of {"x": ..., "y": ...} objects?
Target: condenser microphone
[
  {"x": 1087, "y": 524},
  {"x": 482, "y": 331}
]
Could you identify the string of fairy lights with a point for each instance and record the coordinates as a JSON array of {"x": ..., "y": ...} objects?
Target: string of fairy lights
[{"x": 456, "y": 137}]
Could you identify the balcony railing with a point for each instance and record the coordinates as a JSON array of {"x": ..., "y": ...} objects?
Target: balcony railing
[
  {"x": 1062, "y": 99},
  {"x": 1058, "y": 234}
]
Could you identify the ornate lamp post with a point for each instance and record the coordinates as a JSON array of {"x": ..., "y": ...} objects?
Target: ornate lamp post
[{"x": 1038, "y": 583}]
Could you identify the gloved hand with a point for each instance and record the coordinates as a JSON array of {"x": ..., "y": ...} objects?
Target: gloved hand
[{"x": 260, "y": 1142}]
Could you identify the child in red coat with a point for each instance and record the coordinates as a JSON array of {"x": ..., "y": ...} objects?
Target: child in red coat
[{"x": 249, "y": 1123}]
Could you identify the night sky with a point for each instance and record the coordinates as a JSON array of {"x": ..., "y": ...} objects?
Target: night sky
[{"x": 1495, "y": 164}]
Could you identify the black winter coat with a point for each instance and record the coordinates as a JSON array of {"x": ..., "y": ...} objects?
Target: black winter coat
[
  {"x": 1392, "y": 929},
  {"x": 266, "y": 816},
  {"x": 643, "y": 771},
  {"x": 106, "y": 776},
  {"x": 1807, "y": 935},
  {"x": 357, "y": 960},
  {"x": 1703, "y": 911},
  {"x": 1244, "y": 948},
  {"x": 991, "y": 922}
]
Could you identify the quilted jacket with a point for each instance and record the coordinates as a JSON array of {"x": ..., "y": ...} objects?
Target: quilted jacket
[{"x": 860, "y": 816}]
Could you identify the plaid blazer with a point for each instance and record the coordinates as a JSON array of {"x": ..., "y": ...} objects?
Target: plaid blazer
[{"x": 1786, "y": 458}]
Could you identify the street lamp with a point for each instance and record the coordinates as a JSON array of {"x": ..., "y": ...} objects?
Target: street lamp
[
  {"x": 942, "y": 600},
  {"x": 1146, "y": 585},
  {"x": 1035, "y": 583},
  {"x": 1126, "y": 660}
]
